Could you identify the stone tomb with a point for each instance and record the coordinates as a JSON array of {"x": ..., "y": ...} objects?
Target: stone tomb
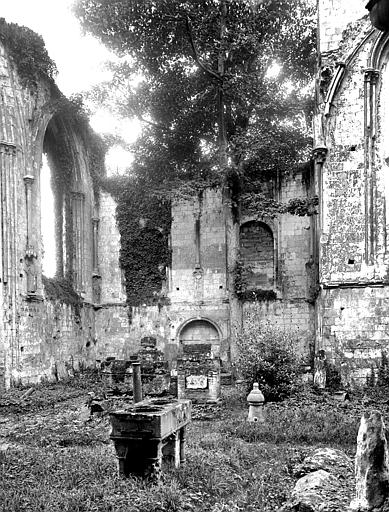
[
  {"x": 149, "y": 433},
  {"x": 198, "y": 372},
  {"x": 116, "y": 371},
  {"x": 155, "y": 369}
]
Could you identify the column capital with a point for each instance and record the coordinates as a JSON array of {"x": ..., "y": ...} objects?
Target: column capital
[
  {"x": 29, "y": 179},
  {"x": 77, "y": 195},
  {"x": 7, "y": 147},
  {"x": 319, "y": 154},
  {"x": 371, "y": 75}
]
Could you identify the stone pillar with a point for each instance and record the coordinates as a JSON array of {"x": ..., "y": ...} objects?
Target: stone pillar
[
  {"x": 95, "y": 225},
  {"x": 370, "y": 124},
  {"x": 28, "y": 181},
  {"x": 31, "y": 256},
  {"x": 78, "y": 239},
  {"x": 8, "y": 175},
  {"x": 319, "y": 155},
  {"x": 371, "y": 464},
  {"x": 214, "y": 386},
  {"x": 198, "y": 270},
  {"x": 9, "y": 186},
  {"x": 137, "y": 381}
]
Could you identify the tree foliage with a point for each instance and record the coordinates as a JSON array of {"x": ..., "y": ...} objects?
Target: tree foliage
[
  {"x": 196, "y": 74},
  {"x": 28, "y": 52},
  {"x": 211, "y": 113}
]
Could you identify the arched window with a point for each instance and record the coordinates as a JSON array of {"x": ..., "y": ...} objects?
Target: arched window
[
  {"x": 257, "y": 254},
  {"x": 68, "y": 210},
  {"x": 47, "y": 220}
]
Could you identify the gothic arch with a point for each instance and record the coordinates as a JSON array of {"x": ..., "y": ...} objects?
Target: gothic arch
[
  {"x": 380, "y": 47},
  {"x": 59, "y": 135}
]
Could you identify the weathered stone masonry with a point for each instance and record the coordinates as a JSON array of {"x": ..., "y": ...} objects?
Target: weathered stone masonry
[
  {"x": 351, "y": 135},
  {"x": 202, "y": 305},
  {"x": 39, "y": 336}
]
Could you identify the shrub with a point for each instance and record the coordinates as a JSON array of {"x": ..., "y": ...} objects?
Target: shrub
[
  {"x": 334, "y": 378},
  {"x": 383, "y": 371},
  {"x": 267, "y": 355}
]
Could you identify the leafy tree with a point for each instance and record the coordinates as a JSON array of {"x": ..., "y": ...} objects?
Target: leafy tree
[{"x": 212, "y": 115}]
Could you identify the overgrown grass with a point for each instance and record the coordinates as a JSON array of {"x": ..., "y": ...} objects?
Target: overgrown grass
[
  {"x": 58, "y": 460},
  {"x": 48, "y": 394},
  {"x": 305, "y": 425},
  {"x": 220, "y": 475}
]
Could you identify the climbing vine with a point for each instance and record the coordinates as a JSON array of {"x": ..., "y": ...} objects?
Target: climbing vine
[
  {"x": 72, "y": 117},
  {"x": 28, "y": 52},
  {"x": 144, "y": 221},
  {"x": 259, "y": 206},
  {"x": 241, "y": 274},
  {"x": 58, "y": 289}
]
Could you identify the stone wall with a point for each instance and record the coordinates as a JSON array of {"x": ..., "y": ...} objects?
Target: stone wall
[
  {"x": 197, "y": 282},
  {"x": 355, "y": 330},
  {"x": 44, "y": 331},
  {"x": 292, "y": 308},
  {"x": 54, "y": 339},
  {"x": 335, "y": 16},
  {"x": 352, "y": 181},
  {"x": 200, "y": 284}
]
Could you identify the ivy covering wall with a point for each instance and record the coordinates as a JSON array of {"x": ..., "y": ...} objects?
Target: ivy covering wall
[
  {"x": 144, "y": 221},
  {"x": 68, "y": 129}
]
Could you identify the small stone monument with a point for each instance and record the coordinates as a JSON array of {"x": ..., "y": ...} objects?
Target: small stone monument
[
  {"x": 320, "y": 375},
  {"x": 155, "y": 369},
  {"x": 256, "y": 400},
  {"x": 198, "y": 374}
]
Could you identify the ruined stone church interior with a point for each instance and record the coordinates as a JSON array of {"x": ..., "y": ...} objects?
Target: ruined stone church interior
[{"x": 325, "y": 275}]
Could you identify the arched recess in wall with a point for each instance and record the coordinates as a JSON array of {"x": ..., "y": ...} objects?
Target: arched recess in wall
[
  {"x": 200, "y": 334},
  {"x": 63, "y": 148},
  {"x": 257, "y": 254},
  {"x": 58, "y": 145},
  {"x": 377, "y": 132}
]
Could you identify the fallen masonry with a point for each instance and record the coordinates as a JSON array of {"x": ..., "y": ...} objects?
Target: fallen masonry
[{"x": 326, "y": 476}]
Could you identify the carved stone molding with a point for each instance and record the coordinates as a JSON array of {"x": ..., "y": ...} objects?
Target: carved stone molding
[
  {"x": 28, "y": 179},
  {"x": 319, "y": 154},
  {"x": 371, "y": 75},
  {"x": 7, "y": 147},
  {"x": 95, "y": 247}
]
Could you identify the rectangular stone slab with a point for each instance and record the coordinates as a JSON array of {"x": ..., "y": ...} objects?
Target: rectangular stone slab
[{"x": 150, "y": 419}]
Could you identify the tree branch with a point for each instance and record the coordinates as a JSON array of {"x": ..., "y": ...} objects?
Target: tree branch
[
  {"x": 136, "y": 114},
  {"x": 196, "y": 57}
]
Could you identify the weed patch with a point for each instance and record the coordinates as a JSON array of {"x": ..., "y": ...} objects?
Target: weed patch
[{"x": 60, "y": 460}]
